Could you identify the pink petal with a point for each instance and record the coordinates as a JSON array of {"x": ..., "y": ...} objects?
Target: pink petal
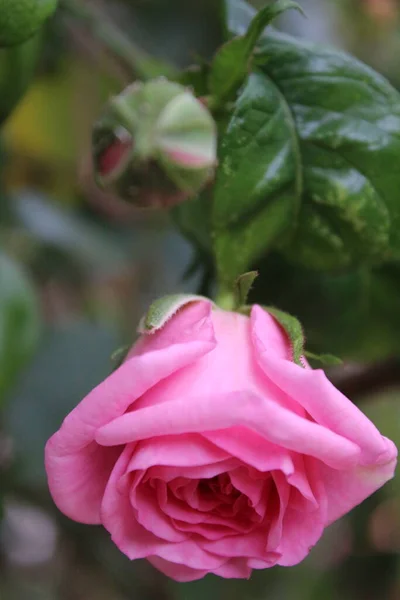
[
  {"x": 118, "y": 516},
  {"x": 76, "y": 474},
  {"x": 270, "y": 333},
  {"x": 236, "y": 568},
  {"x": 180, "y": 573},
  {"x": 251, "y": 545},
  {"x": 168, "y": 474},
  {"x": 77, "y": 486},
  {"x": 207, "y": 413},
  {"x": 302, "y": 528},
  {"x": 149, "y": 514},
  {"x": 316, "y": 394},
  {"x": 252, "y": 449},
  {"x": 190, "y": 450},
  {"x": 256, "y": 563},
  {"x": 249, "y": 486},
  {"x": 347, "y": 489},
  {"x": 277, "y": 513},
  {"x": 299, "y": 480}
]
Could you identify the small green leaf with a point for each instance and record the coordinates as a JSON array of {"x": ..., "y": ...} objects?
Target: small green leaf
[
  {"x": 19, "y": 322},
  {"x": 328, "y": 360},
  {"x": 244, "y": 283},
  {"x": 294, "y": 331},
  {"x": 231, "y": 63},
  {"x": 163, "y": 309}
]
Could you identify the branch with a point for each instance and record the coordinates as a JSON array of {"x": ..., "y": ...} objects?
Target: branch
[
  {"x": 139, "y": 63},
  {"x": 359, "y": 381}
]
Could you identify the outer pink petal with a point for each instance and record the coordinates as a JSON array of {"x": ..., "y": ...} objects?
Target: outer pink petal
[
  {"x": 276, "y": 423},
  {"x": 270, "y": 333},
  {"x": 118, "y": 516},
  {"x": 347, "y": 489},
  {"x": 180, "y": 573},
  {"x": 232, "y": 569},
  {"x": 236, "y": 568},
  {"x": 312, "y": 390},
  {"x": 76, "y": 474}
]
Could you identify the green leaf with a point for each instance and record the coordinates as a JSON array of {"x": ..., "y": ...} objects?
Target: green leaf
[
  {"x": 354, "y": 315},
  {"x": 294, "y": 331},
  {"x": 19, "y": 322},
  {"x": 17, "y": 67},
  {"x": 244, "y": 283},
  {"x": 347, "y": 120},
  {"x": 259, "y": 180},
  {"x": 328, "y": 360},
  {"x": 232, "y": 61}
]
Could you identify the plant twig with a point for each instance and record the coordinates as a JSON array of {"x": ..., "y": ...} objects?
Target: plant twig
[
  {"x": 360, "y": 381},
  {"x": 139, "y": 63}
]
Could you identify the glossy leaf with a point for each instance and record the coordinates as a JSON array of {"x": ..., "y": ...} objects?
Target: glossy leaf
[
  {"x": 347, "y": 121},
  {"x": 19, "y": 322},
  {"x": 259, "y": 180},
  {"x": 232, "y": 61}
]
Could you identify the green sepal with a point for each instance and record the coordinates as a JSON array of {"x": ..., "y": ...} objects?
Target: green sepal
[
  {"x": 327, "y": 360},
  {"x": 243, "y": 286},
  {"x": 294, "y": 330},
  {"x": 163, "y": 309},
  {"x": 231, "y": 64},
  {"x": 118, "y": 357}
]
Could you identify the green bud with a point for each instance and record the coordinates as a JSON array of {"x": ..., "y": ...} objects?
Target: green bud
[
  {"x": 21, "y": 19},
  {"x": 155, "y": 144}
]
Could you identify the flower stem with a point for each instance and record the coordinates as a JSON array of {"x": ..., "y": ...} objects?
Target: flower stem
[
  {"x": 226, "y": 300},
  {"x": 139, "y": 63}
]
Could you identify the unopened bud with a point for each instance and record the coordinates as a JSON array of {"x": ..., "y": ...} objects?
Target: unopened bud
[{"x": 155, "y": 144}]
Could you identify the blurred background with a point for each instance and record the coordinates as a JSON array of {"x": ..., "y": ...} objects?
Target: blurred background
[{"x": 79, "y": 266}]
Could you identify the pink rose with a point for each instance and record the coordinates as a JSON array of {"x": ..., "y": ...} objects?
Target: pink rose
[{"x": 210, "y": 451}]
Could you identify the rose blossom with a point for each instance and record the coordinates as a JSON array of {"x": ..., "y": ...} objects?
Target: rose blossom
[{"x": 210, "y": 451}]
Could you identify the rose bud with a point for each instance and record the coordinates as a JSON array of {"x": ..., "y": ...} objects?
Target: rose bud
[
  {"x": 209, "y": 450},
  {"x": 155, "y": 144}
]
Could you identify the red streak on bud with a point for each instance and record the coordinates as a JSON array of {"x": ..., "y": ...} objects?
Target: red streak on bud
[
  {"x": 186, "y": 159},
  {"x": 112, "y": 156}
]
